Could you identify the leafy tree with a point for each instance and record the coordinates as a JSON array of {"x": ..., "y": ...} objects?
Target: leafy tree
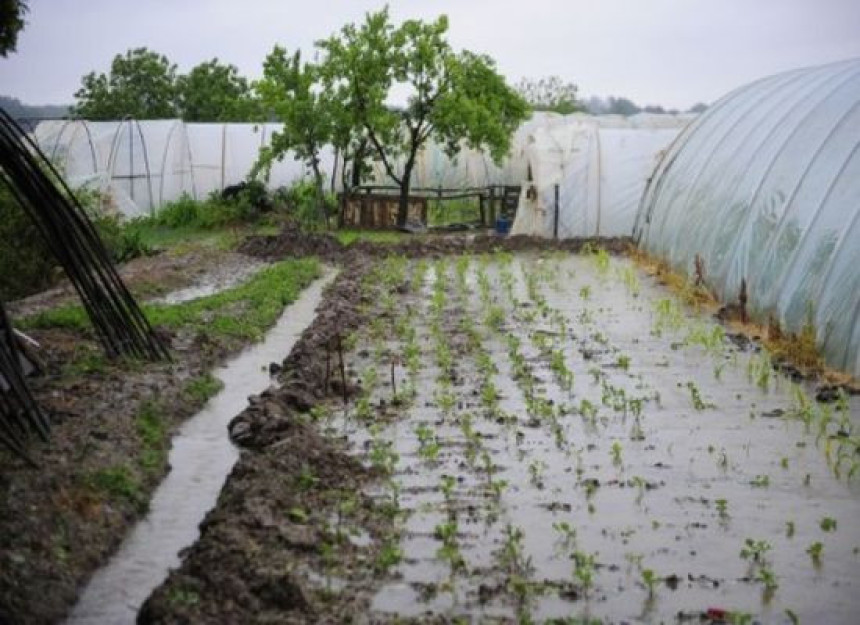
[
  {"x": 550, "y": 94},
  {"x": 289, "y": 92},
  {"x": 214, "y": 92},
  {"x": 11, "y": 22},
  {"x": 451, "y": 98},
  {"x": 141, "y": 84}
]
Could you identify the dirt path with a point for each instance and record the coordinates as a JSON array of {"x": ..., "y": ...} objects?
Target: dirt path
[{"x": 564, "y": 440}]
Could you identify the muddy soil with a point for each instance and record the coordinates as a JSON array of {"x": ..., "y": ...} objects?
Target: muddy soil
[
  {"x": 293, "y": 536},
  {"x": 293, "y": 242},
  {"x": 59, "y": 522}
]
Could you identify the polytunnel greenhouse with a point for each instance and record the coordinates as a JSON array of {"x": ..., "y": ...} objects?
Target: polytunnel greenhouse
[
  {"x": 137, "y": 166},
  {"x": 765, "y": 187},
  {"x": 584, "y": 176}
]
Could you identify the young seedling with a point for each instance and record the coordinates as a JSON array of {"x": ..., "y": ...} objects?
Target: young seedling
[
  {"x": 650, "y": 580},
  {"x": 615, "y": 452},
  {"x": 584, "y": 567},
  {"x": 567, "y": 534},
  {"x": 814, "y": 550},
  {"x": 755, "y": 550}
]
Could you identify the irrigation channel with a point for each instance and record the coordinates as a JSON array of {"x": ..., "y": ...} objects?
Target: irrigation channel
[
  {"x": 200, "y": 458},
  {"x": 577, "y": 443}
]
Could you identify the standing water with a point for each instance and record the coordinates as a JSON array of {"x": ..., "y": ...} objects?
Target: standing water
[{"x": 200, "y": 459}]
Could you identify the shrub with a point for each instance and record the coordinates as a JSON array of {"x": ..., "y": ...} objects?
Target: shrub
[{"x": 27, "y": 263}]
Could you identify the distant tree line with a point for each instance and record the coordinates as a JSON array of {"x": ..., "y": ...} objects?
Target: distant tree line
[
  {"x": 558, "y": 96},
  {"x": 19, "y": 110},
  {"x": 145, "y": 85}
]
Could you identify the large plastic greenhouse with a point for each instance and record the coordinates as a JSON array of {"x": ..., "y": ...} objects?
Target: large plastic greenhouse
[
  {"x": 584, "y": 175},
  {"x": 765, "y": 187},
  {"x": 138, "y": 166}
]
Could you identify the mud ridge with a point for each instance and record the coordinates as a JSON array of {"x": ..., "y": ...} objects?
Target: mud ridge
[
  {"x": 288, "y": 484},
  {"x": 292, "y": 242}
]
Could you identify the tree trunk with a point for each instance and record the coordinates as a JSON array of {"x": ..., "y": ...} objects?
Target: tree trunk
[
  {"x": 320, "y": 192},
  {"x": 403, "y": 203}
]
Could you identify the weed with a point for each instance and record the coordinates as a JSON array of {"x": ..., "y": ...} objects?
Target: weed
[
  {"x": 390, "y": 555},
  {"x": 183, "y": 597},
  {"x": 828, "y": 524}
]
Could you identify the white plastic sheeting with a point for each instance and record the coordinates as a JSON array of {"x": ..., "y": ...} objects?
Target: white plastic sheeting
[
  {"x": 765, "y": 186},
  {"x": 139, "y": 166},
  {"x": 469, "y": 168},
  {"x": 600, "y": 163},
  {"x": 598, "y": 166}
]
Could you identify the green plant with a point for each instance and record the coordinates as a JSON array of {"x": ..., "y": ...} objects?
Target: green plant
[
  {"x": 584, "y": 568},
  {"x": 828, "y": 524},
  {"x": 755, "y": 550},
  {"x": 696, "y": 397},
  {"x": 815, "y": 550},
  {"x": 760, "y": 481},
  {"x": 615, "y": 452},
  {"x": 567, "y": 533},
  {"x": 202, "y": 387},
  {"x": 390, "y": 555},
  {"x": 119, "y": 483},
  {"x": 650, "y": 579}
]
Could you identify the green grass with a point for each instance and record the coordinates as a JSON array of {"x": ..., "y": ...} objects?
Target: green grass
[
  {"x": 203, "y": 387},
  {"x": 348, "y": 237},
  {"x": 245, "y": 311},
  {"x": 463, "y": 210},
  {"x": 181, "y": 238},
  {"x": 118, "y": 483}
]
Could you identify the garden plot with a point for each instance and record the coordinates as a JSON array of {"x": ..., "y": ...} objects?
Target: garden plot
[{"x": 562, "y": 439}]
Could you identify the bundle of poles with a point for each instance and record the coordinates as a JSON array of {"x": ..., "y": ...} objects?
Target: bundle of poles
[{"x": 119, "y": 324}]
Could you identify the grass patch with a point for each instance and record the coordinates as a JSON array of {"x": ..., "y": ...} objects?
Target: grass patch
[
  {"x": 119, "y": 484},
  {"x": 348, "y": 237},
  {"x": 202, "y": 387},
  {"x": 245, "y": 311},
  {"x": 150, "y": 424}
]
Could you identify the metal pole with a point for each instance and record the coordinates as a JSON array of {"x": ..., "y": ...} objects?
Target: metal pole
[{"x": 555, "y": 216}]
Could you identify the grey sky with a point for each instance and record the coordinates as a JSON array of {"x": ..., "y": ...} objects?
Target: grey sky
[{"x": 669, "y": 52}]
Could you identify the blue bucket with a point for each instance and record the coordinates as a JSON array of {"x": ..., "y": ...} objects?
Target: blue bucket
[{"x": 503, "y": 226}]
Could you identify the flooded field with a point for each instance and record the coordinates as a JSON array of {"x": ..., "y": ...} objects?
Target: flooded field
[{"x": 565, "y": 440}]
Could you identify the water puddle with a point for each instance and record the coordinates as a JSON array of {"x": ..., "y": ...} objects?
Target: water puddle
[
  {"x": 219, "y": 278},
  {"x": 200, "y": 458}
]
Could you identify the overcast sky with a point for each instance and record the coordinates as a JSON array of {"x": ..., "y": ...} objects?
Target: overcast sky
[{"x": 669, "y": 52}]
